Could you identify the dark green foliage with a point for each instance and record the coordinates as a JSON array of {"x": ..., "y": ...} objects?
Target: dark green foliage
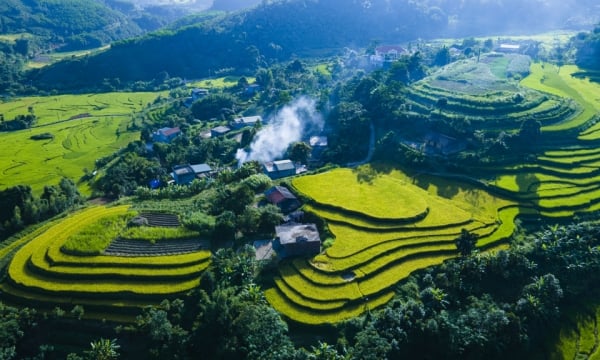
[
  {"x": 18, "y": 123},
  {"x": 465, "y": 242},
  {"x": 129, "y": 172},
  {"x": 20, "y": 207},
  {"x": 42, "y": 136},
  {"x": 351, "y": 137},
  {"x": 13, "y": 323},
  {"x": 588, "y": 49},
  {"x": 214, "y": 106},
  {"x": 442, "y": 57},
  {"x": 299, "y": 152},
  {"x": 78, "y": 24}
]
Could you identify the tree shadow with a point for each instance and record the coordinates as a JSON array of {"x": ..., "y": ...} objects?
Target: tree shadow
[{"x": 528, "y": 185}]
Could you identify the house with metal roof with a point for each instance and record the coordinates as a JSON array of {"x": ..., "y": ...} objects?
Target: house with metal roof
[
  {"x": 282, "y": 198},
  {"x": 279, "y": 169},
  {"x": 246, "y": 121}
]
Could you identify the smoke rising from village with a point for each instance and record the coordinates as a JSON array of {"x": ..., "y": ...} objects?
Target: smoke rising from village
[{"x": 289, "y": 125}]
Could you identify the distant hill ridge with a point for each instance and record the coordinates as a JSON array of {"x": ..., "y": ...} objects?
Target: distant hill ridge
[
  {"x": 278, "y": 30},
  {"x": 66, "y": 21}
]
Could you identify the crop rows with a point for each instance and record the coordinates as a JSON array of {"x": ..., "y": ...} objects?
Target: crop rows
[
  {"x": 40, "y": 271},
  {"x": 369, "y": 256}
]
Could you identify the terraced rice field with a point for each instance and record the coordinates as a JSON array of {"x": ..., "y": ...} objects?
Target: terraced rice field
[
  {"x": 40, "y": 272},
  {"x": 579, "y": 338},
  {"x": 381, "y": 239},
  {"x": 85, "y": 128},
  {"x": 412, "y": 229},
  {"x": 481, "y": 93}
]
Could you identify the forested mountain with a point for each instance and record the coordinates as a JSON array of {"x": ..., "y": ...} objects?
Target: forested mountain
[
  {"x": 278, "y": 30},
  {"x": 232, "y": 5},
  {"x": 74, "y": 22},
  {"x": 588, "y": 49}
]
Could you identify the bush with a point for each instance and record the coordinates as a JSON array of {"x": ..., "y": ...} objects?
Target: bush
[
  {"x": 258, "y": 182},
  {"x": 42, "y": 136}
]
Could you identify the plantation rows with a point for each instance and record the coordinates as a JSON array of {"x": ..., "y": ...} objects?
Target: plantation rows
[
  {"x": 161, "y": 219},
  {"x": 494, "y": 111},
  {"x": 42, "y": 273},
  {"x": 125, "y": 247},
  {"x": 368, "y": 256}
]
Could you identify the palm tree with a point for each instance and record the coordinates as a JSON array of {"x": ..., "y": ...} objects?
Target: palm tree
[{"x": 104, "y": 349}]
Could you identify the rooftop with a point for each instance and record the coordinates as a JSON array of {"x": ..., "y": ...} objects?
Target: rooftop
[
  {"x": 201, "y": 168},
  {"x": 297, "y": 233},
  {"x": 182, "y": 170},
  {"x": 282, "y": 165},
  {"x": 277, "y": 194},
  {"x": 166, "y": 131},
  {"x": 250, "y": 120}
]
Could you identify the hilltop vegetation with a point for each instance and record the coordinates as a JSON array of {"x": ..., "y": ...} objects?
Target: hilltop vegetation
[{"x": 270, "y": 32}]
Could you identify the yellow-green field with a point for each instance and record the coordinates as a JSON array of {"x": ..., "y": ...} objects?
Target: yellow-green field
[
  {"x": 99, "y": 281},
  {"x": 579, "y": 337},
  {"x": 561, "y": 82},
  {"x": 372, "y": 253},
  {"x": 85, "y": 128}
]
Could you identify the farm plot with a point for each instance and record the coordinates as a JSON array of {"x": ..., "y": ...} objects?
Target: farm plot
[
  {"x": 372, "y": 253},
  {"x": 100, "y": 281},
  {"x": 84, "y": 128},
  {"x": 485, "y": 94},
  {"x": 562, "y": 184},
  {"x": 561, "y": 82}
]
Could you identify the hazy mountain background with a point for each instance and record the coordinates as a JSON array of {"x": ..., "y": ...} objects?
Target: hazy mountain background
[{"x": 279, "y": 30}]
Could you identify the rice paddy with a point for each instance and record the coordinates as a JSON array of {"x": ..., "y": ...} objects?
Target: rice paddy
[
  {"x": 372, "y": 253},
  {"x": 41, "y": 271}
]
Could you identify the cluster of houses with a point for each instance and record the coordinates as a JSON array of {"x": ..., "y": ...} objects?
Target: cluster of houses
[{"x": 293, "y": 238}]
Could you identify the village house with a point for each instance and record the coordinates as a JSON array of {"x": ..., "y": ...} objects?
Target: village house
[
  {"x": 297, "y": 240},
  {"x": 279, "y": 169},
  {"x": 508, "y": 48},
  {"x": 437, "y": 143},
  {"x": 185, "y": 174},
  {"x": 198, "y": 94},
  {"x": 166, "y": 134},
  {"x": 246, "y": 121},
  {"x": 386, "y": 54},
  {"x": 282, "y": 198},
  {"x": 318, "y": 145},
  {"x": 219, "y": 131}
]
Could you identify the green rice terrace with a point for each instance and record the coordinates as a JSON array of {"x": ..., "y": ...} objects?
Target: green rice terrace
[
  {"x": 64, "y": 263},
  {"x": 386, "y": 222},
  {"x": 395, "y": 223},
  {"x": 83, "y": 128},
  {"x": 413, "y": 226}
]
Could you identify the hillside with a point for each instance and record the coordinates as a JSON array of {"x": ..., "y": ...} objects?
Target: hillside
[
  {"x": 279, "y": 30},
  {"x": 76, "y": 23}
]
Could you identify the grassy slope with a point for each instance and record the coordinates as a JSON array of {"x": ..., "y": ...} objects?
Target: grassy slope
[
  {"x": 77, "y": 143},
  {"x": 548, "y": 78}
]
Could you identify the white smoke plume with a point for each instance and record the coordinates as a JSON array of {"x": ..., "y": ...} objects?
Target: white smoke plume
[{"x": 284, "y": 128}]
